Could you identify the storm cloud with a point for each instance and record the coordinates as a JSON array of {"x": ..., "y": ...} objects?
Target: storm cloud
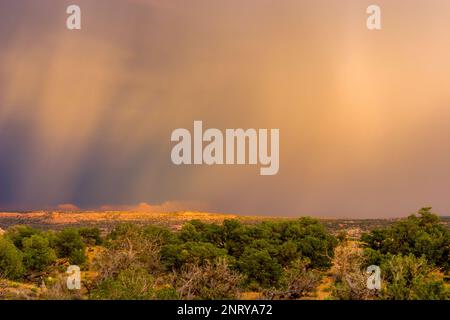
[{"x": 86, "y": 116}]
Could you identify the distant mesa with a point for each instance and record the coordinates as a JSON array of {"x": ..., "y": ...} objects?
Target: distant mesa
[
  {"x": 68, "y": 207},
  {"x": 165, "y": 207}
]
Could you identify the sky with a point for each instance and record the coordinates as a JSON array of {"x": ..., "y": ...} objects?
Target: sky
[{"x": 86, "y": 116}]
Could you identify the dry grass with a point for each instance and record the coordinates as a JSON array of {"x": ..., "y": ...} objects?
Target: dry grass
[
  {"x": 10, "y": 290},
  {"x": 324, "y": 289}
]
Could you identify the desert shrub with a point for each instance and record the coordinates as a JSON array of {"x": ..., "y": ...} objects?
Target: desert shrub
[
  {"x": 287, "y": 241},
  {"x": 78, "y": 257},
  {"x": 177, "y": 255},
  {"x": 210, "y": 281},
  {"x": 312, "y": 239},
  {"x": 69, "y": 244},
  {"x": 193, "y": 231},
  {"x": 11, "y": 266},
  {"x": 50, "y": 236},
  {"x": 57, "y": 290},
  {"x": 134, "y": 234},
  {"x": 18, "y": 233},
  {"x": 305, "y": 237},
  {"x": 130, "y": 284},
  {"x": 142, "y": 245},
  {"x": 350, "y": 278},
  {"x": 297, "y": 281},
  {"x": 124, "y": 230},
  {"x": 91, "y": 236},
  {"x": 198, "y": 231},
  {"x": 109, "y": 263},
  {"x": 37, "y": 254},
  {"x": 287, "y": 253},
  {"x": 162, "y": 235},
  {"x": 260, "y": 267},
  {"x": 412, "y": 278},
  {"x": 129, "y": 247},
  {"x": 342, "y": 236},
  {"x": 419, "y": 235},
  {"x": 373, "y": 257},
  {"x": 234, "y": 237},
  {"x": 231, "y": 235},
  {"x": 260, "y": 251}
]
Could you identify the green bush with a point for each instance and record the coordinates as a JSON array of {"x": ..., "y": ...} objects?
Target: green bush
[
  {"x": 287, "y": 241},
  {"x": 176, "y": 255},
  {"x": 288, "y": 253},
  {"x": 312, "y": 239},
  {"x": 302, "y": 238},
  {"x": 130, "y": 284},
  {"x": 69, "y": 244},
  {"x": 11, "y": 266},
  {"x": 91, "y": 236},
  {"x": 37, "y": 254},
  {"x": 261, "y": 251},
  {"x": 419, "y": 235},
  {"x": 18, "y": 233},
  {"x": 411, "y": 278},
  {"x": 124, "y": 230},
  {"x": 231, "y": 235},
  {"x": 193, "y": 231},
  {"x": 259, "y": 266},
  {"x": 162, "y": 235},
  {"x": 234, "y": 237}
]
